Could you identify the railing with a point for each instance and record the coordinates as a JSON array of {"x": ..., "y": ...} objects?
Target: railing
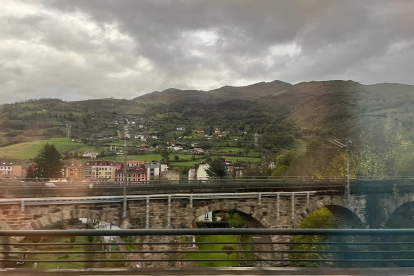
[
  {"x": 103, "y": 249},
  {"x": 95, "y": 188}
]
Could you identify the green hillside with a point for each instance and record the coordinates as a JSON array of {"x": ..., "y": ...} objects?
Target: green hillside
[{"x": 286, "y": 118}]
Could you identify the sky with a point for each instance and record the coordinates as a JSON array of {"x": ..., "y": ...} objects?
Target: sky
[{"x": 86, "y": 49}]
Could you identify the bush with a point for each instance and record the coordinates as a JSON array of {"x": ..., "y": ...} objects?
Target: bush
[{"x": 228, "y": 250}]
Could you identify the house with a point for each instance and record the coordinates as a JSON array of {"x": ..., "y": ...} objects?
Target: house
[
  {"x": 74, "y": 171},
  {"x": 154, "y": 137},
  {"x": 217, "y": 131},
  {"x": 180, "y": 128},
  {"x": 12, "y": 170},
  {"x": 200, "y": 131},
  {"x": 178, "y": 148},
  {"x": 100, "y": 170},
  {"x": 90, "y": 155},
  {"x": 194, "y": 145},
  {"x": 141, "y": 126},
  {"x": 6, "y": 168},
  {"x": 198, "y": 150},
  {"x": 170, "y": 143},
  {"x": 114, "y": 148},
  {"x": 198, "y": 172},
  {"x": 159, "y": 147},
  {"x": 141, "y": 137},
  {"x": 134, "y": 174},
  {"x": 144, "y": 147},
  {"x": 238, "y": 169}
]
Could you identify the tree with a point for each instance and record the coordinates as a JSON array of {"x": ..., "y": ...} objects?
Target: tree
[
  {"x": 235, "y": 221},
  {"x": 320, "y": 218},
  {"x": 228, "y": 250},
  {"x": 216, "y": 168},
  {"x": 283, "y": 162},
  {"x": 176, "y": 158},
  {"x": 246, "y": 150},
  {"x": 165, "y": 155},
  {"x": 48, "y": 163}
]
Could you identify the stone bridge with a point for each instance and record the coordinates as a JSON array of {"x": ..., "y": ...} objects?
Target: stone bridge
[
  {"x": 260, "y": 210},
  {"x": 262, "y": 203}
]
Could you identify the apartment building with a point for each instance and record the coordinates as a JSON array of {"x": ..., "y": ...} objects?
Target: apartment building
[
  {"x": 134, "y": 174},
  {"x": 75, "y": 171},
  {"x": 154, "y": 169},
  {"x": 100, "y": 170}
]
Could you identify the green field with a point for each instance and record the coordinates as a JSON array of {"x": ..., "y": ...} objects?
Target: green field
[
  {"x": 218, "y": 256},
  {"x": 230, "y": 149},
  {"x": 29, "y": 150}
]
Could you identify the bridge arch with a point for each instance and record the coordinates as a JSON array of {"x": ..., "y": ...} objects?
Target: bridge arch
[
  {"x": 395, "y": 205},
  {"x": 344, "y": 217},
  {"x": 248, "y": 213},
  {"x": 56, "y": 217},
  {"x": 401, "y": 217}
]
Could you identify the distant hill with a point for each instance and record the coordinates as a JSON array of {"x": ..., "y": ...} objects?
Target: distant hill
[{"x": 326, "y": 109}]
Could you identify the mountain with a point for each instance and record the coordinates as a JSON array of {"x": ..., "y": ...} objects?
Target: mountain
[
  {"x": 324, "y": 109},
  {"x": 257, "y": 90}
]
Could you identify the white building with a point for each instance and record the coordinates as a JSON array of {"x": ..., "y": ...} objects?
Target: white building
[
  {"x": 198, "y": 172},
  {"x": 206, "y": 217}
]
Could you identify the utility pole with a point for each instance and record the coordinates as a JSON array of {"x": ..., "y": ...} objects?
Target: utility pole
[
  {"x": 68, "y": 130},
  {"x": 346, "y": 147},
  {"x": 125, "y": 180},
  {"x": 256, "y": 141}
]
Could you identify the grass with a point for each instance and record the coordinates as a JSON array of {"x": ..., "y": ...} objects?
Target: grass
[
  {"x": 217, "y": 247},
  {"x": 300, "y": 145},
  {"x": 243, "y": 158},
  {"x": 71, "y": 257},
  {"x": 217, "y": 256},
  {"x": 29, "y": 150},
  {"x": 230, "y": 149}
]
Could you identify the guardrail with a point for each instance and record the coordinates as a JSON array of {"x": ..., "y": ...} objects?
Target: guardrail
[{"x": 334, "y": 248}]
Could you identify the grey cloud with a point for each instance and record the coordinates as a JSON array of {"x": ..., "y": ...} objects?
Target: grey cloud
[{"x": 102, "y": 48}]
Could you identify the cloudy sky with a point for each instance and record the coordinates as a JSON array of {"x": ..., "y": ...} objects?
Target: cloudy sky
[{"x": 82, "y": 49}]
